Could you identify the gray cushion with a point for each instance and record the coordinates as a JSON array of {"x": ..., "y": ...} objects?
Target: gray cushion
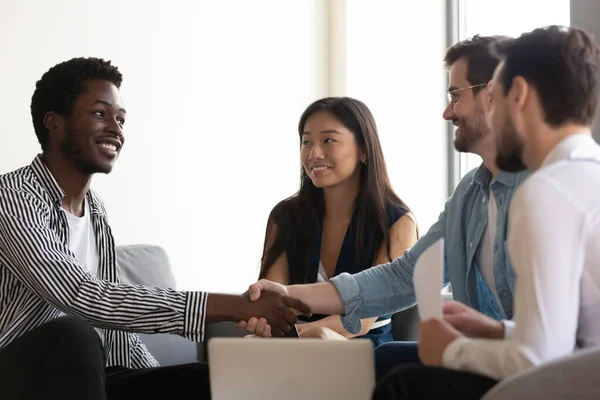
[
  {"x": 149, "y": 265},
  {"x": 145, "y": 265},
  {"x": 574, "y": 378}
]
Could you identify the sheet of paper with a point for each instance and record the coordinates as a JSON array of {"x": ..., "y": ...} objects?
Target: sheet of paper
[{"x": 428, "y": 278}]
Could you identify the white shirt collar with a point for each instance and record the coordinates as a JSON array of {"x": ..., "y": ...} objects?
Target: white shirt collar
[{"x": 575, "y": 147}]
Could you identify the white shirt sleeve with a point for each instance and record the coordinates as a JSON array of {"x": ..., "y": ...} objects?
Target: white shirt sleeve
[
  {"x": 509, "y": 328},
  {"x": 546, "y": 247}
]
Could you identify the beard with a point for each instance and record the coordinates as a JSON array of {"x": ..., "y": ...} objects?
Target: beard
[
  {"x": 472, "y": 130},
  {"x": 75, "y": 152},
  {"x": 510, "y": 148}
]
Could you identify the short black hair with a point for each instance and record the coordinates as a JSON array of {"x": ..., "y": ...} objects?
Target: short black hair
[
  {"x": 563, "y": 64},
  {"x": 481, "y": 64},
  {"x": 60, "y": 86}
]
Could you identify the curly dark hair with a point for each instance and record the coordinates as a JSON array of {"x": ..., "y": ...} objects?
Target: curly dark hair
[{"x": 60, "y": 86}]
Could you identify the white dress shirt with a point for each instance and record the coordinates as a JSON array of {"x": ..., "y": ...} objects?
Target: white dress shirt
[{"x": 553, "y": 243}]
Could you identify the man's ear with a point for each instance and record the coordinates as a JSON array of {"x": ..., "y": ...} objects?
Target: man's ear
[
  {"x": 489, "y": 90},
  {"x": 487, "y": 97},
  {"x": 519, "y": 92},
  {"x": 51, "y": 121},
  {"x": 518, "y": 99},
  {"x": 54, "y": 123}
]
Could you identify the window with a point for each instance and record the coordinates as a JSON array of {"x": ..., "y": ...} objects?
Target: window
[{"x": 510, "y": 18}]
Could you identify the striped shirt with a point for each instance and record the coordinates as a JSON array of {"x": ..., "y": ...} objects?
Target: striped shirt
[{"x": 40, "y": 277}]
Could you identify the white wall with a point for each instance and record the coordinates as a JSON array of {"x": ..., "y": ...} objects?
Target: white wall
[
  {"x": 395, "y": 52},
  {"x": 214, "y": 90}
]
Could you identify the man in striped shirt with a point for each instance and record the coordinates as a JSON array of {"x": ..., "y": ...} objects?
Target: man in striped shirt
[{"x": 57, "y": 259}]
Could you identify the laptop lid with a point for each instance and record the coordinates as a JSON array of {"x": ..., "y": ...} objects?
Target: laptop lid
[{"x": 291, "y": 369}]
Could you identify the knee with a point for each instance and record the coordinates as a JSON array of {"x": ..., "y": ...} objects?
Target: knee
[
  {"x": 384, "y": 348},
  {"x": 315, "y": 332},
  {"x": 318, "y": 332},
  {"x": 72, "y": 332},
  {"x": 72, "y": 326}
]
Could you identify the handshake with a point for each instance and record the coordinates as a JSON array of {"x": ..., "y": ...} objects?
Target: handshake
[{"x": 268, "y": 310}]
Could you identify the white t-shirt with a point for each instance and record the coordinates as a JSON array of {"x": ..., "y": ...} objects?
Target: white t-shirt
[
  {"x": 82, "y": 241},
  {"x": 485, "y": 252},
  {"x": 554, "y": 231}
]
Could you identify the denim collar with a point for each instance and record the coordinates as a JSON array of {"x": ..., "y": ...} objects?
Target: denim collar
[{"x": 483, "y": 177}]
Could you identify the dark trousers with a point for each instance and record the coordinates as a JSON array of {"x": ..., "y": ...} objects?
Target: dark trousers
[
  {"x": 64, "y": 359},
  {"x": 416, "y": 382},
  {"x": 390, "y": 355}
]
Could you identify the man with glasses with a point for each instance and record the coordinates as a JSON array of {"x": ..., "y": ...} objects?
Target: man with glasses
[
  {"x": 474, "y": 221},
  {"x": 473, "y": 224}
]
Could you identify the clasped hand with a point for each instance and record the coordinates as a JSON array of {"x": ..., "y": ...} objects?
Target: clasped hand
[{"x": 273, "y": 311}]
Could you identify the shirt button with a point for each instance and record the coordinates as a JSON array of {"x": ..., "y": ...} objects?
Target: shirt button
[
  {"x": 471, "y": 244},
  {"x": 483, "y": 199}
]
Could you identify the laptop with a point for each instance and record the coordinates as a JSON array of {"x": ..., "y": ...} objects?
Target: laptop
[{"x": 291, "y": 369}]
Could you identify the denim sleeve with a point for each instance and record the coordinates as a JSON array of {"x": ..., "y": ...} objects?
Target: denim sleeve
[{"x": 384, "y": 289}]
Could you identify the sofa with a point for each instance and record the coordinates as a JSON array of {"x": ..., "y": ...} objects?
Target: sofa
[
  {"x": 149, "y": 265},
  {"x": 572, "y": 377}
]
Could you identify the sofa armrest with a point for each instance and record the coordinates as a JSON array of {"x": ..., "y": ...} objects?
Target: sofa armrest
[{"x": 574, "y": 377}]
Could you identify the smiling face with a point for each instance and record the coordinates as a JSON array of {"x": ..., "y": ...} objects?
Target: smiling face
[
  {"x": 91, "y": 137},
  {"x": 466, "y": 110},
  {"x": 329, "y": 153}
]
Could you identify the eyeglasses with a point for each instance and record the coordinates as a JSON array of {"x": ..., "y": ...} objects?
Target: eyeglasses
[{"x": 453, "y": 95}]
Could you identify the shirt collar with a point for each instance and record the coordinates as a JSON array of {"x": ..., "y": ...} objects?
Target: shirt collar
[
  {"x": 46, "y": 179},
  {"x": 580, "y": 146},
  {"x": 483, "y": 176}
]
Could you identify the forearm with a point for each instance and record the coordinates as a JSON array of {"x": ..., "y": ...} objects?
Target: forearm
[
  {"x": 111, "y": 305},
  {"x": 322, "y": 298},
  {"x": 377, "y": 291},
  {"x": 334, "y": 323},
  {"x": 137, "y": 309},
  {"x": 223, "y": 307},
  {"x": 384, "y": 289},
  {"x": 497, "y": 359}
]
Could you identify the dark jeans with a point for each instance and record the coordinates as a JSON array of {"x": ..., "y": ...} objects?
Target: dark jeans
[
  {"x": 393, "y": 354},
  {"x": 64, "y": 359},
  {"x": 418, "y": 382}
]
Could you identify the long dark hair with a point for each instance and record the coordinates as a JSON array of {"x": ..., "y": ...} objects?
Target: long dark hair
[{"x": 296, "y": 216}]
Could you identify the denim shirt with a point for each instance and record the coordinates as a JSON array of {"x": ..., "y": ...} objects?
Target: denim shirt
[{"x": 388, "y": 288}]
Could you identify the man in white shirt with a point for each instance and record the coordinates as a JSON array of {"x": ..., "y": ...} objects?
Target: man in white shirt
[{"x": 544, "y": 98}]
